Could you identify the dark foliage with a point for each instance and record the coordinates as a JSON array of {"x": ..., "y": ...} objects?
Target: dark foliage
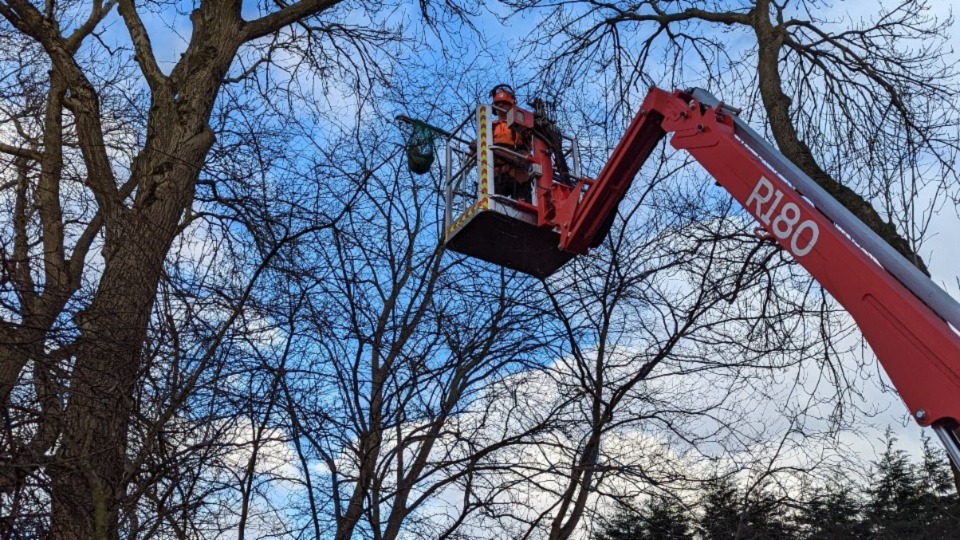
[
  {"x": 659, "y": 518},
  {"x": 902, "y": 499}
]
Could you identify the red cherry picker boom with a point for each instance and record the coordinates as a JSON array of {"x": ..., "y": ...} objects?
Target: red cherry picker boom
[{"x": 511, "y": 199}]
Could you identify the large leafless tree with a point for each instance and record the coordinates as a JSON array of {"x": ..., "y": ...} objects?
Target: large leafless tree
[
  {"x": 863, "y": 102},
  {"x": 866, "y": 105},
  {"x": 107, "y": 142},
  {"x": 226, "y": 309}
]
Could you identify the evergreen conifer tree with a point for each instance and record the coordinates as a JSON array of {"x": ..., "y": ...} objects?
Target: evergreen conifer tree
[
  {"x": 896, "y": 496},
  {"x": 940, "y": 510},
  {"x": 728, "y": 514},
  {"x": 721, "y": 511},
  {"x": 834, "y": 513},
  {"x": 625, "y": 524},
  {"x": 764, "y": 517},
  {"x": 905, "y": 500},
  {"x": 664, "y": 518},
  {"x": 660, "y": 518}
]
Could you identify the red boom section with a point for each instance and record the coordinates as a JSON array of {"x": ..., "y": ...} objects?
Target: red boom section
[
  {"x": 918, "y": 350},
  {"x": 582, "y": 221}
]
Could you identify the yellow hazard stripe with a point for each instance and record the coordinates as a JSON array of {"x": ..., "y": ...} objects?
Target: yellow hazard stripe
[
  {"x": 483, "y": 158},
  {"x": 465, "y": 217},
  {"x": 484, "y": 150}
]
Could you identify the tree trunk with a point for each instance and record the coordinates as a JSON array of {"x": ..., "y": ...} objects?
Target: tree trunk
[
  {"x": 89, "y": 476},
  {"x": 777, "y": 104}
]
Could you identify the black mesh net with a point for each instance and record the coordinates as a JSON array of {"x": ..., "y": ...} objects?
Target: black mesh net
[{"x": 420, "y": 149}]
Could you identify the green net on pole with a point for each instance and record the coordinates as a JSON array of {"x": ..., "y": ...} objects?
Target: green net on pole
[{"x": 420, "y": 149}]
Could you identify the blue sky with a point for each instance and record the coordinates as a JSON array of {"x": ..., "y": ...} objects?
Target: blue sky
[{"x": 489, "y": 52}]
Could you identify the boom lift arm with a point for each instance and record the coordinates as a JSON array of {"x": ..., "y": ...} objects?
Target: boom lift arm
[{"x": 912, "y": 338}]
